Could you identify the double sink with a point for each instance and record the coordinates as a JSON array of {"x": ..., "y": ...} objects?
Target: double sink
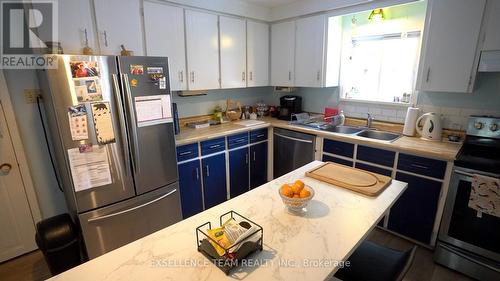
[{"x": 358, "y": 131}]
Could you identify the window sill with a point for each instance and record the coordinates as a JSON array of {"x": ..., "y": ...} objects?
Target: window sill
[{"x": 384, "y": 103}]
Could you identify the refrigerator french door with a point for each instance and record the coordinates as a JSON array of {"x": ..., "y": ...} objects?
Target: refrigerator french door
[
  {"x": 152, "y": 146},
  {"x": 119, "y": 176}
]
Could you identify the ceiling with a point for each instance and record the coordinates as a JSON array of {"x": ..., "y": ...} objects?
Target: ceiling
[{"x": 271, "y": 3}]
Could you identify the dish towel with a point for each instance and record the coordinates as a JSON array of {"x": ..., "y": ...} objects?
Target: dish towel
[{"x": 485, "y": 195}]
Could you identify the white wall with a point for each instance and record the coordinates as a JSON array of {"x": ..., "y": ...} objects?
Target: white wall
[{"x": 50, "y": 199}]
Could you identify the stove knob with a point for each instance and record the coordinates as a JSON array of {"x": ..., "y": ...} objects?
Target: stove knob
[
  {"x": 478, "y": 125},
  {"x": 493, "y": 127}
]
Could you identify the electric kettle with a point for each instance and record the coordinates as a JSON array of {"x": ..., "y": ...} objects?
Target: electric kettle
[{"x": 432, "y": 129}]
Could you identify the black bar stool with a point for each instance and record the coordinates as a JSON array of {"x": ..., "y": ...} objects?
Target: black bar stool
[{"x": 374, "y": 262}]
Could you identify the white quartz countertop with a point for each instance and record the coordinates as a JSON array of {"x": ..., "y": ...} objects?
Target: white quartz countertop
[{"x": 295, "y": 247}]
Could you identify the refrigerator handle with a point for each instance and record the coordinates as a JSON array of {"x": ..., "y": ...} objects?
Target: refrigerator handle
[
  {"x": 133, "y": 208},
  {"x": 119, "y": 102},
  {"x": 135, "y": 144}
]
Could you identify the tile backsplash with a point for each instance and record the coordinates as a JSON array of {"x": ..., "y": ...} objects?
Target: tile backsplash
[{"x": 452, "y": 117}]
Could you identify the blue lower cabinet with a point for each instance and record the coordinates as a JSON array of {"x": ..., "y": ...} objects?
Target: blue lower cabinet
[
  {"x": 414, "y": 213},
  {"x": 238, "y": 171},
  {"x": 258, "y": 164},
  {"x": 376, "y": 155},
  {"x": 328, "y": 158},
  {"x": 374, "y": 169},
  {"x": 214, "y": 179},
  {"x": 190, "y": 188}
]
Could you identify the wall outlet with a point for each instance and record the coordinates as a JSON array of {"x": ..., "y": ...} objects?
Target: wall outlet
[{"x": 31, "y": 94}]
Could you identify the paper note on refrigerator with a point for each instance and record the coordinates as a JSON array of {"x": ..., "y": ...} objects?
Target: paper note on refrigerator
[
  {"x": 89, "y": 169},
  {"x": 152, "y": 110},
  {"x": 77, "y": 116},
  {"x": 103, "y": 123}
]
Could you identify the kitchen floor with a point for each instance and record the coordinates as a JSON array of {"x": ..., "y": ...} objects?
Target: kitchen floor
[{"x": 33, "y": 267}]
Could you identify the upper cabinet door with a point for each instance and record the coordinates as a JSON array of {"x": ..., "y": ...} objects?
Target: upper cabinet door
[
  {"x": 232, "y": 52},
  {"x": 492, "y": 33},
  {"x": 76, "y": 28},
  {"x": 119, "y": 23},
  {"x": 282, "y": 53},
  {"x": 202, "y": 45},
  {"x": 164, "y": 28},
  {"x": 448, "y": 59},
  {"x": 309, "y": 51},
  {"x": 257, "y": 54}
]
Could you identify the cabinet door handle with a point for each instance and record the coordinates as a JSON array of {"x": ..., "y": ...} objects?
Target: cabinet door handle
[
  {"x": 318, "y": 75},
  {"x": 254, "y": 156},
  {"x": 246, "y": 158},
  {"x": 192, "y": 76},
  {"x": 289, "y": 75},
  {"x": 243, "y": 76},
  {"x": 208, "y": 170},
  {"x": 181, "y": 76},
  {"x": 419, "y": 166},
  {"x": 184, "y": 153},
  {"x": 214, "y": 146},
  {"x": 428, "y": 74},
  {"x": 105, "y": 38},
  {"x": 197, "y": 173},
  {"x": 251, "y": 76},
  {"x": 86, "y": 37}
]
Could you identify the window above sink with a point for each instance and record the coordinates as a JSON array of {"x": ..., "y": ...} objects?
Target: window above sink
[{"x": 380, "y": 54}]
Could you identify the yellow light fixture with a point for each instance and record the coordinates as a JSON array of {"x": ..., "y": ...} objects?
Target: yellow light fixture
[{"x": 377, "y": 15}]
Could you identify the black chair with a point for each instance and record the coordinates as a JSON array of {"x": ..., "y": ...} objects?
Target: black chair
[
  {"x": 57, "y": 237},
  {"x": 374, "y": 262}
]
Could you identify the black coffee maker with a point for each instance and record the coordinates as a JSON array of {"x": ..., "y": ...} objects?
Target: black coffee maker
[{"x": 289, "y": 105}]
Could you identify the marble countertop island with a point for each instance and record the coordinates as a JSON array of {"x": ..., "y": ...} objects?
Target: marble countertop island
[{"x": 305, "y": 247}]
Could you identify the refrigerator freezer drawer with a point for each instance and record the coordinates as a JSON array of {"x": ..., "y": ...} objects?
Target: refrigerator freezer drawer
[{"x": 111, "y": 227}]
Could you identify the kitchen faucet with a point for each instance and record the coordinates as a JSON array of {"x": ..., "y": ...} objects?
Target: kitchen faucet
[{"x": 369, "y": 120}]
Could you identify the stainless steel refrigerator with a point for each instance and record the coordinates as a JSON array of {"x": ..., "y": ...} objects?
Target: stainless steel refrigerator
[{"x": 112, "y": 137}]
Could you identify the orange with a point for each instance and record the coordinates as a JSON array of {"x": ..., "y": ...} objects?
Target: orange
[
  {"x": 296, "y": 196},
  {"x": 304, "y": 193},
  {"x": 299, "y": 183},
  {"x": 296, "y": 188},
  {"x": 286, "y": 190}
]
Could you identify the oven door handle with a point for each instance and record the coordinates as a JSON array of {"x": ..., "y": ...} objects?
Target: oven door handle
[{"x": 464, "y": 173}]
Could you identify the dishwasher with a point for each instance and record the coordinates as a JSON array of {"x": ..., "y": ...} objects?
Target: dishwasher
[{"x": 291, "y": 150}]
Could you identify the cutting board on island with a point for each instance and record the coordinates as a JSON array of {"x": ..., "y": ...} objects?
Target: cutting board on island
[{"x": 358, "y": 180}]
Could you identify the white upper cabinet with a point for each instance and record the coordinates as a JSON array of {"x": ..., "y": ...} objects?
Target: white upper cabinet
[
  {"x": 167, "y": 42},
  {"x": 76, "y": 28},
  {"x": 232, "y": 52},
  {"x": 257, "y": 54},
  {"x": 492, "y": 26},
  {"x": 448, "y": 60},
  {"x": 282, "y": 53},
  {"x": 202, "y": 47},
  {"x": 309, "y": 51},
  {"x": 119, "y": 23}
]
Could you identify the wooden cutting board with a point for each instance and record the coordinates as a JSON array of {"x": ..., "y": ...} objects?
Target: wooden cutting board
[{"x": 361, "y": 181}]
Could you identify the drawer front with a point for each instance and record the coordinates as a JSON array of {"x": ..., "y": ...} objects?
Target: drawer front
[
  {"x": 375, "y": 155},
  {"x": 422, "y": 166},
  {"x": 374, "y": 169},
  {"x": 237, "y": 140},
  {"x": 338, "y": 148},
  {"x": 337, "y": 160},
  {"x": 188, "y": 151},
  {"x": 213, "y": 146},
  {"x": 258, "y": 135}
]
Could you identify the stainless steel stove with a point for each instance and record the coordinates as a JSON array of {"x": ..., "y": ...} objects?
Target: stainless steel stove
[{"x": 469, "y": 241}]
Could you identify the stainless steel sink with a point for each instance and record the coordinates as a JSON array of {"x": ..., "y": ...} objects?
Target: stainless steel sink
[
  {"x": 343, "y": 130},
  {"x": 378, "y": 135}
]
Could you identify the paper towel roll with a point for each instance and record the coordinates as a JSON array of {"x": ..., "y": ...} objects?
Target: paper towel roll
[{"x": 411, "y": 119}]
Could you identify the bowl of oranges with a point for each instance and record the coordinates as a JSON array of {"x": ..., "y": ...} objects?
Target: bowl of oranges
[{"x": 296, "y": 195}]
